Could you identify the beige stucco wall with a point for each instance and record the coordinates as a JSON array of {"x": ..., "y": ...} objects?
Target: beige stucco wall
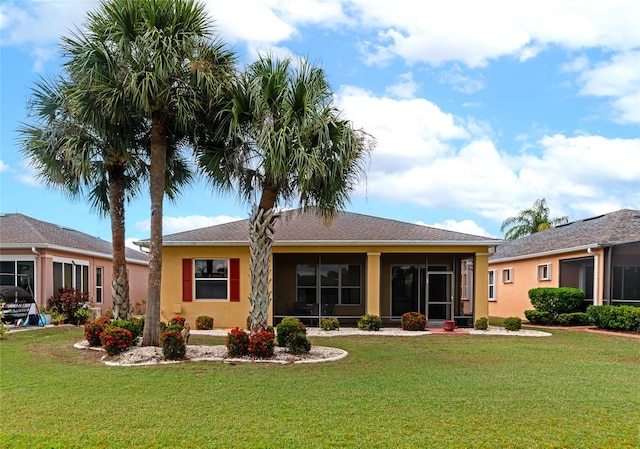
[{"x": 512, "y": 298}]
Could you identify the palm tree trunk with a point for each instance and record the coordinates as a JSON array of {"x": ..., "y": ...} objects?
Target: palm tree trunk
[
  {"x": 120, "y": 276},
  {"x": 260, "y": 243},
  {"x": 157, "y": 185}
]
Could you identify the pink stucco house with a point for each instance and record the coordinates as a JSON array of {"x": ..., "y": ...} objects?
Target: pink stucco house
[{"x": 42, "y": 257}]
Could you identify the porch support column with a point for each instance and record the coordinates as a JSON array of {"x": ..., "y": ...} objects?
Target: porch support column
[
  {"x": 373, "y": 284},
  {"x": 481, "y": 285}
]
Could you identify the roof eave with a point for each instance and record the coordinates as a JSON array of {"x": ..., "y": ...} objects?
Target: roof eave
[
  {"x": 323, "y": 243},
  {"x": 69, "y": 250},
  {"x": 549, "y": 253}
]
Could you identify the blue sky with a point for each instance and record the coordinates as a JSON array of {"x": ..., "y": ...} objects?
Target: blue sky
[{"x": 478, "y": 108}]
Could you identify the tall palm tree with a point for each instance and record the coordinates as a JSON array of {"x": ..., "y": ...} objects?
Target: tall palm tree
[
  {"x": 77, "y": 153},
  {"x": 169, "y": 70},
  {"x": 286, "y": 143},
  {"x": 529, "y": 221}
]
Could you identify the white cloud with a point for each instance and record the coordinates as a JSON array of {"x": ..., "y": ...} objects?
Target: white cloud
[
  {"x": 405, "y": 87},
  {"x": 464, "y": 226},
  {"x": 172, "y": 225},
  {"x": 460, "y": 82},
  {"x": 3, "y": 166},
  {"x": 618, "y": 79}
]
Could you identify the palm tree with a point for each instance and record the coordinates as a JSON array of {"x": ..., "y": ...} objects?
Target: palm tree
[
  {"x": 168, "y": 71},
  {"x": 74, "y": 149},
  {"x": 530, "y": 221},
  {"x": 286, "y": 143}
]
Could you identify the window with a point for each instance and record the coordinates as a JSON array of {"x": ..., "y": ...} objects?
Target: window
[
  {"x": 99, "y": 272},
  {"x": 19, "y": 273},
  {"x": 492, "y": 285},
  {"x": 507, "y": 275},
  {"x": 330, "y": 283},
  {"x": 544, "y": 272},
  {"x": 70, "y": 274},
  {"x": 212, "y": 278}
]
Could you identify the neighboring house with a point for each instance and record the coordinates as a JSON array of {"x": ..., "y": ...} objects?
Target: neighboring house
[
  {"x": 599, "y": 255},
  {"x": 360, "y": 264},
  {"x": 43, "y": 257}
]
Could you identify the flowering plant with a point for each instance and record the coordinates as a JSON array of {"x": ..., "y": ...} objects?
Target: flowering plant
[
  {"x": 237, "y": 342},
  {"x": 261, "y": 344},
  {"x": 177, "y": 320},
  {"x": 93, "y": 330},
  {"x": 204, "y": 322},
  {"x": 173, "y": 345},
  {"x": 413, "y": 321},
  {"x": 115, "y": 340}
]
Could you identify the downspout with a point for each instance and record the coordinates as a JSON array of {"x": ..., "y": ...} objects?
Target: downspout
[{"x": 596, "y": 276}]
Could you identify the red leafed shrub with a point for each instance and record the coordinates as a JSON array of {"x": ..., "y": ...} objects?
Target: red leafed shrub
[
  {"x": 177, "y": 320},
  {"x": 413, "y": 321},
  {"x": 116, "y": 340},
  {"x": 237, "y": 342},
  {"x": 204, "y": 322},
  {"x": 67, "y": 301},
  {"x": 93, "y": 330},
  {"x": 261, "y": 344}
]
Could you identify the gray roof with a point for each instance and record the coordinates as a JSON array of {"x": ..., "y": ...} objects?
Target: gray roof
[
  {"x": 295, "y": 227},
  {"x": 615, "y": 228},
  {"x": 21, "y": 231}
]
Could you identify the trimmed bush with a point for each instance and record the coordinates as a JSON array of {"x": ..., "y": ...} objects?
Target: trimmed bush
[
  {"x": 173, "y": 345},
  {"x": 94, "y": 329},
  {"x": 204, "y": 322},
  {"x": 556, "y": 300},
  {"x": 135, "y": 326},
  {"x": 116, "y": 340},
  {"x": 513, "y": 323},
  {"x": 481, "y": 324},
  {"x": 237, "y": 342},
  {"x": 329, "y": 324},
  {"x": 370, "y": 323},
  {"x": 623, "y": 318},
  {"x": 67, "y": 301},
  {"x": 573, "y": 319},
  {"x": 261, "y": 344},
  {"x": 413, "y": 321},
  {"x": 289, "y": 326},
  {"x": 298, "y": 344},
  {"x": 177, "y": 320},
  {"x": 537, "y": 317}
]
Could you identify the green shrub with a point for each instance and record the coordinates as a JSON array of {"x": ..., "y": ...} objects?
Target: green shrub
[
  {"x": 289, "y": 326},
  {"x": 413, "y": 321},
  {"x": 116, "y": 340},
  {"x": 481, "y": 324},
  {"x": 556, "y": 300},
  {"x": 537, "y": 317},
  {"x": 237, "y": 342},
  {"x": 261, "y": 344},
  {"x": 204, "y": 322},
  {"x": 173, "y": 345},
  {"x": 624, "y": 318},
  {"x": 82, "y": 315},
  {"x": 298, "y": 343},
  {"x": 94, "y": 329},
  {"x": 513, "y": 323},
  {"x": 370, "y": 323},
  {"x": 573, "y": 319},
  {"x": 329, "y": 324},
  {"x": 135, "y": 326}
]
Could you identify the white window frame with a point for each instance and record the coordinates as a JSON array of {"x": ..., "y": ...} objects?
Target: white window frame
[
  {"x": 492, "y": 285},
  {"x": 197, "y": 279},
  {"x": 99, "y": 285},
  {"x": 543, "y": 272},
  {"x": 507, "y": 275}
]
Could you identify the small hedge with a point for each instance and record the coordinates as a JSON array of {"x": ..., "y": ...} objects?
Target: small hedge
[
  {"x": 413, "y": 321},
  {"x": 93, "y": 330},
  {"x": 287, "y": 327},
  {"x": 173, "y": 345},
  {"x": 623, "y": 318},
  {"x": 574, "y": 319},
  {"x": 370, "y": 323},
  {"x": 556, "y": 300},
  {"x": 116, "y": 340},
  {"x": 261, "y": 344},
  {"x": 538, "y": 317},
  {"x": 204, "y": 322},
  {"x": 481, "y": 324},
  {"x": 237, "y": 342},
  {"x": 513, "y": 323},
  {"x": 329, "y": 324}
]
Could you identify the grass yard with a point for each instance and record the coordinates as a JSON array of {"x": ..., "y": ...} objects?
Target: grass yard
[{"x": 571, "y": 390}]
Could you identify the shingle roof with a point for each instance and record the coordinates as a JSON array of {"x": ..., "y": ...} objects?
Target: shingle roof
[
  {"x": 296, "y": 227},
  {"x": 18, "y": 230},
  {"x": 615, "y": 228}
]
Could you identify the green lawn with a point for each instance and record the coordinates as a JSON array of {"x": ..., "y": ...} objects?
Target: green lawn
[{"x": 571, "y": 390}]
